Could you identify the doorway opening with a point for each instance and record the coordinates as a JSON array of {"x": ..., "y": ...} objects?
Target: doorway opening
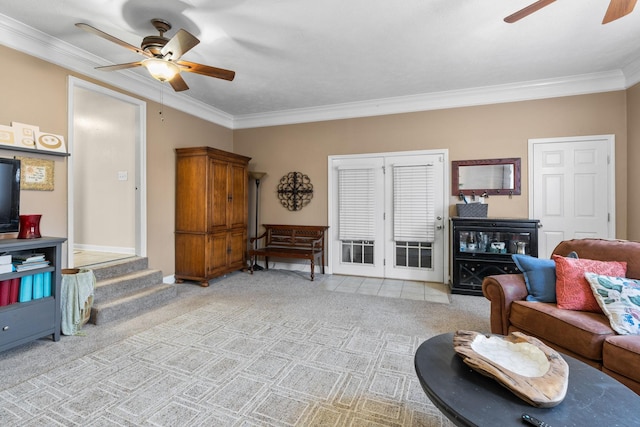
[{"x": 106, "y": 175}]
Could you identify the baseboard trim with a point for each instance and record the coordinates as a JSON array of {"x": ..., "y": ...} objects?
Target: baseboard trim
[
  {"x": 291, "y": 266},
  {"x": 98, "y": 248}
]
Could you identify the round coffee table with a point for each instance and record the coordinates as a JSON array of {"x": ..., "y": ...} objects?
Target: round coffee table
[{"x": 468, "y": 398}]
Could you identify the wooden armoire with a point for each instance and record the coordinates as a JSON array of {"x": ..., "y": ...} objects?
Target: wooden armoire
[{"x": 211, "y": 213}]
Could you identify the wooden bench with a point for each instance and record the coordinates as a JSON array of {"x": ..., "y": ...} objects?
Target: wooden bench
[{"x": 290, "y": 241}]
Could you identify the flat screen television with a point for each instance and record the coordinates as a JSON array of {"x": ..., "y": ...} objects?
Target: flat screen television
[{"x": 9, "y": 195}]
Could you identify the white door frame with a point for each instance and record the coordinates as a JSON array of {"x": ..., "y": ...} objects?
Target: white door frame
[
  {"x": 611, "y": 172},
  {"x": 141, "y": 164},
  {"x": 445, "y": 219}
]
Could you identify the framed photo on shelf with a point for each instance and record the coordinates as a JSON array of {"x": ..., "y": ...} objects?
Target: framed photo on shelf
[
  {"x": 36, "y": 174},
  {"x": 25, "y": 135},
  {"x": 7, "y": 137},
  {"x": 50, "y": 142}
]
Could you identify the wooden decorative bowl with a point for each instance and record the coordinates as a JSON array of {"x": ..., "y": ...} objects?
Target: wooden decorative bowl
[{"x": 527, "y": 367}]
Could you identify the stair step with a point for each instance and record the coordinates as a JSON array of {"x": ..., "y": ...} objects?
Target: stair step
[
  {"x": 116, "y": 287},
  {"x": 120, "y": 267},
  {"x": 126, "y": 288},
  {"x": 132, "y": 304}
]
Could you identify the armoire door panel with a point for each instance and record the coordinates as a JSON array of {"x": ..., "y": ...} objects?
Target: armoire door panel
[
  {"x": 238, "y": 191},
  {"x": 191, "y": 255},
  {"x": 191, "y": 194},
  {"x": 219, "y": 187}
]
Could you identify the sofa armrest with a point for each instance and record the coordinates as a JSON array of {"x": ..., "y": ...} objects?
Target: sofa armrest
[{"x": 502, "y": 290}]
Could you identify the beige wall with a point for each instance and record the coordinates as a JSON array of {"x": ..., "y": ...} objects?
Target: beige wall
[
  {"x": 37, "y": 94},
  {"x": 492, "y": 131},
  {"x": 633, "y": 160}
]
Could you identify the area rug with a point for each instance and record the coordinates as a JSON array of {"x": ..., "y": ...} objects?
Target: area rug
[{"x": 243, "y": 358}]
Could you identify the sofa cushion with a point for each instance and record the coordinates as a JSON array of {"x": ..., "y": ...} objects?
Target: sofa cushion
[
  {"x": 621, "y": 354},
  {"x": 605, "y": 250},
  {"x": 619, "y": 299},
  {"x": 539, "y": 276},
  {"x": 572, "y": 289},
  {"x": 580, "y": 332}
]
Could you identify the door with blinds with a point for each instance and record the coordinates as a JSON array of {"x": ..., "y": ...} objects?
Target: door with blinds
[{"x": 387, "y": 215}]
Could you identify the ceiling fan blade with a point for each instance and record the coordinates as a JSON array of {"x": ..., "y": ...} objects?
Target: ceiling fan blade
[
  {"x": 206, "y": 70},
  {"x": 617, "y": 9},
  {"x": 534, "y": 7},
  {"x": 119, "y": 66},
  {"x": 113, "y": 39},
  {"x": 180, "y": 43},
  {"x": 178, "y": 84}
]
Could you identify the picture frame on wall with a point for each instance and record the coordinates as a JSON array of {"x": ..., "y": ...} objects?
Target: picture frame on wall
[{"x": 36, "y": 174}]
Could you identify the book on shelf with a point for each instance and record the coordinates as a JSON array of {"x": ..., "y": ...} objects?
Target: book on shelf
[
  {"x": 26, "y": 289},
  {"x": 5, "y": 259},
  {"x": 5, "y": 285},
  {"x": 6, "y": 268},
  {"x": 30, "y": 257},
  {"x": 14, "y": 290},
  {"x": 46, "y": 284},
  {"x": 31, "y": 265},
  {"x": 38, "y": 286}
]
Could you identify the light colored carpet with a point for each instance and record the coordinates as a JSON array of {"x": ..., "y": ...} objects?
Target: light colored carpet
[{"x": 269, "y": 349}]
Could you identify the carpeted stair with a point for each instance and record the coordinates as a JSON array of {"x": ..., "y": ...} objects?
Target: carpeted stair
[{"x": 127, "y": 288}]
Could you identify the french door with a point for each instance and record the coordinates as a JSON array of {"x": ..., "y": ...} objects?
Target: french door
[{"x": 387, "y": 215}]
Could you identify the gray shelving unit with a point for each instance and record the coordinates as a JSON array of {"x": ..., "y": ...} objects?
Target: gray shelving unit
[{"x": 23, "y": 322}]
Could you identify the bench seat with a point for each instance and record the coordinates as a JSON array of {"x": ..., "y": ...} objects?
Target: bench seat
[{"x": 290, "y": 241}]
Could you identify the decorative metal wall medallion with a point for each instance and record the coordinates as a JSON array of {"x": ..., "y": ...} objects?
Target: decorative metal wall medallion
[{"x": 295, "y": 191}]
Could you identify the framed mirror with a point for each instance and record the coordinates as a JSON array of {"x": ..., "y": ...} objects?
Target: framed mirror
[{"x": 490, "y": 176}]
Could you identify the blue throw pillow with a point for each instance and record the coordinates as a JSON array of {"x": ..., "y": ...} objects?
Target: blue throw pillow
[{"x": 539, "y": 275}]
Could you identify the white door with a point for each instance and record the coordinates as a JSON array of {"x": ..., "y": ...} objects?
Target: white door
[
  {"x": 414, "y": 248},
  {"x": 572, "y": 189},
  {"x": 387, "y": 215}
]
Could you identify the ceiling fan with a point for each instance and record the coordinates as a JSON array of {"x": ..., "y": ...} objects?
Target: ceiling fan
[
  {"x": 617, "y": 9},
  {"x": 163, "y": 55}
]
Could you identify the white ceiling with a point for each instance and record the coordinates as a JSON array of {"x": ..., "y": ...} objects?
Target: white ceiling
[{"x": 306, "y": 60}]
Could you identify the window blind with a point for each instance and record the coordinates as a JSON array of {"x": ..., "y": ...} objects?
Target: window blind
[
  {"x": 413, "y": 203},
  {"x": 356, "y": 188}
]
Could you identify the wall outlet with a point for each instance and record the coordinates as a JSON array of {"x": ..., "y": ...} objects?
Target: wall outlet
[{"x": 123, "y": 175}]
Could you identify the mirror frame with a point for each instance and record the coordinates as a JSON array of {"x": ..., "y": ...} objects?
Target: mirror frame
[{"x": 455, "y": 177}]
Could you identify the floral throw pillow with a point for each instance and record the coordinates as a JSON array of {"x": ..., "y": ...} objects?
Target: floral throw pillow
[
  {"x": 619, "y": 299},
  {"x": 572, "y": 289}
]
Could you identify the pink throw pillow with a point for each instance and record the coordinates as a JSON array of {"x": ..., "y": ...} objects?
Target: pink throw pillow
[{"x": 572, "y": 288}]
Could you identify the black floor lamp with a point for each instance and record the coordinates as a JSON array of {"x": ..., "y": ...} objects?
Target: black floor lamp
[{"x": 257, "y": 176}]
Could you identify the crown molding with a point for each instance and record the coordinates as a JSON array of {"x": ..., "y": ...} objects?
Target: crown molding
[
  {"x": 523, "y": 91},
  {"x": 21, "y": 37},
  {"x": 632, "y": 72}
]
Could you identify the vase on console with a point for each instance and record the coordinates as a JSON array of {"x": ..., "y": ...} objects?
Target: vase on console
[{"x": 29, "y": 227}]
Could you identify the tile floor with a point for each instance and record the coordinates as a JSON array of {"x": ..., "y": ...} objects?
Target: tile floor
[
  {"x": 83, "y": 258},
  {"x": 391, "y": 288}
]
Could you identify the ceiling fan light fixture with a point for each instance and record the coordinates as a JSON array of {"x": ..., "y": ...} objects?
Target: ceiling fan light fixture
[{"x": 161, "y": 69}]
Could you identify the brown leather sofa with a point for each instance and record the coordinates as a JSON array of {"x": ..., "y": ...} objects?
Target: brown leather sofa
[{"x": 583, "y": 335}]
